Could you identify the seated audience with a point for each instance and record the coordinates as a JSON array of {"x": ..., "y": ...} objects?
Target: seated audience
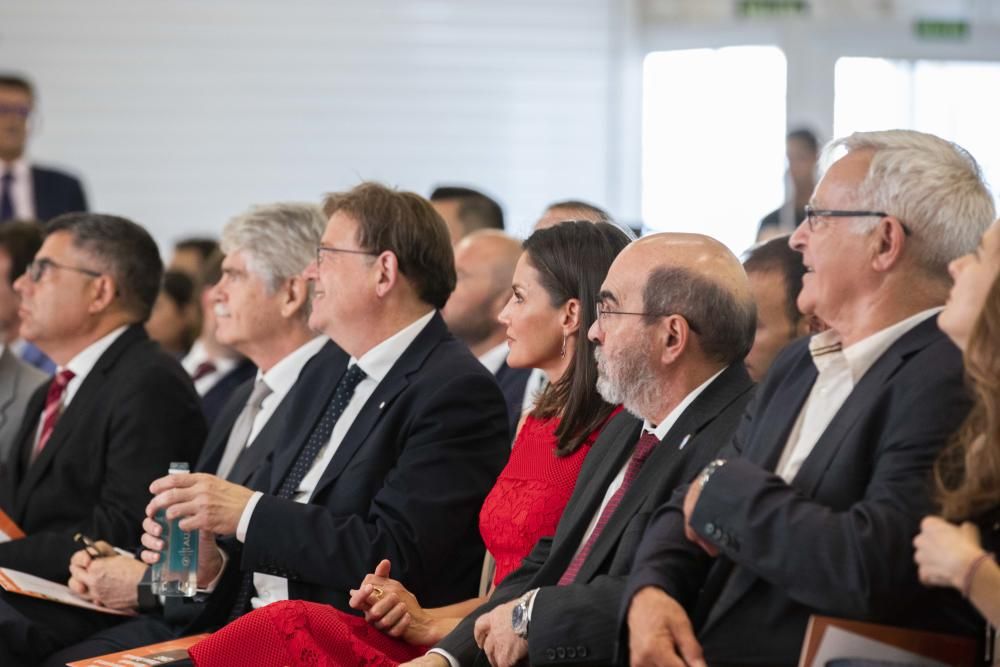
[
  {"x": 684, "y": 386},
  {"x": 217, "y": 369},
  {"x": 546, "y": 322},
  {"x": 484, "y": 265},
  {"x": 391, "y": 457},
  {"x": 112, "y": 419},
  {"x": 957, "y": 549},
  {"x": 19, "y": 241},
  {"x": 775, "y": 272},
  {"x": 465, "y": 210},
  {"x": 18, "y": 380},
  {"x": 174, "y": 320},
  {"x": 263, "y": 305},
  {"x": 571, "y": 209},
  {"x": 192, "y": 254},
  {"x": 812, "y": 508}
]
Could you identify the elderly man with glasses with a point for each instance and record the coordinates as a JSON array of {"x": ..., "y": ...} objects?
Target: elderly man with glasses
[{"x": 114, "y": 416}]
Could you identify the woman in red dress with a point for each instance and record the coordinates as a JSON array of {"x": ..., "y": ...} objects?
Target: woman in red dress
[{"x": 556, "y": 282}]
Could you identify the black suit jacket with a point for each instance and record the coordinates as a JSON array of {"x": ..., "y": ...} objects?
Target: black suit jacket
[
  {"x": 512, "y": 382},
  {"x": 837, "y": 540},
  {"x": 56, "y": 192},
  {"x": 406, "y": 483},
  {"x": 216, "y": 398},
  {"x": 135, "y": 412},
  {"x": 576, "y": 624}
]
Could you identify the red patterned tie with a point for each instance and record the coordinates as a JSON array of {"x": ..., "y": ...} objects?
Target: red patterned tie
[
  {"x": 642, "y": 451},
  {"x": 53, "y": 406}
]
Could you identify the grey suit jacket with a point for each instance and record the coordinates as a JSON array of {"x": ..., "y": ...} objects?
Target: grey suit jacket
[{"x": 18, "y": 381}]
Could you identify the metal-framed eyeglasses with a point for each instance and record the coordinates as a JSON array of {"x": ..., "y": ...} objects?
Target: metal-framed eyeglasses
[
  {"x": 601, "y": 311},
  {"x": 320, "y": 249},
  {"x": 813, "y": 214}
]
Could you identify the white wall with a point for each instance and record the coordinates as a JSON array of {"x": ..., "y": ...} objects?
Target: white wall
[{"x": 181, "y": 114}]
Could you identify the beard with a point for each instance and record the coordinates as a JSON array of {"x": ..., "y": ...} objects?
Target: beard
[
  {"x": 628, "y": 379},
  {"x": 478, "y": 325}
]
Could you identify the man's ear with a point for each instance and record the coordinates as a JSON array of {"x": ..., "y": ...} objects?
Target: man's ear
[
  {"x": 673, "y": 334},
  {"x": 890, "y": 240},
  {"x": 103, "y": 291},
  {"x": 294, "y": 295},
  {"x": 387, "y": 273}
]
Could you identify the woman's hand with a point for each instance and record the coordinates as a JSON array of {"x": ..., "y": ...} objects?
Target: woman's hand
[
  {"x": 392, "y": 609},
  {"x": 945, "y": 551}
]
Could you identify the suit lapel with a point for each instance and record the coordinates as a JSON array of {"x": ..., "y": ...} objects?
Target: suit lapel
[
  {"x": 215, "y": 446},
  {"x": 379, "y": 403},
  {"x": 665, "y": 460},
  {"x": 90, "y": 392}
]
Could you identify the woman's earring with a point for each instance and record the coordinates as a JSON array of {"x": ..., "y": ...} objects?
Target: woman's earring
[{"x": 562, "y": 352}]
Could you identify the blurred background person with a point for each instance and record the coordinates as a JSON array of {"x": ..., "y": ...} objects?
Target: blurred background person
[
  {"x": 19, "y": 241},
  {"x": 775, "y": 272},
  {"x": 484, "y": 264},
  {"x": 27, "y": 191},
  {"x": 571, "y": 209},
  {"x": 216, "y": 369},
  {"x": 175, "y": 317},
  {"x": 802, "y": 151},
  {"x": 192, "y": 254},
  {"x": 956, "y": 549},
  {"x": 466, "y": 210}
]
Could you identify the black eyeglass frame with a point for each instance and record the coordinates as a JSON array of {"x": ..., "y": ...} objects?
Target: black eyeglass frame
[
  {"x": 812, "y": 213},
  {"x": 320, "y": 249},
  {"x": 37, "y": 268},
  {"x": 600, "y": 311}
]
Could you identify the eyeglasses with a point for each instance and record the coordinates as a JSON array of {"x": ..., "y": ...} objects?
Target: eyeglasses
[
  {"x": 21, "y": 110},
  {"x": 36, "y": 269},
  {"x": 813, "y": 213},
  {"x": 320, "y": 249},
  {"x": 602, "y": 311}
]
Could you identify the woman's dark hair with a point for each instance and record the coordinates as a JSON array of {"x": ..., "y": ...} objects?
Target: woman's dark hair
[
  {"x": 572, "y": 259},
  {"x": 967, "y": 474}
]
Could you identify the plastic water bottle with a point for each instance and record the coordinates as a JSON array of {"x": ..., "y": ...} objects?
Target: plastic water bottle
[{"x": 176, "y": 573}]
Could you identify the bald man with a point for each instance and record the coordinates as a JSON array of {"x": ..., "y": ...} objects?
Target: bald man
[
  {"x": 676, "y": 317},
  {"x": 484, "y": 264},
  {"x": 571, "y": 209}
]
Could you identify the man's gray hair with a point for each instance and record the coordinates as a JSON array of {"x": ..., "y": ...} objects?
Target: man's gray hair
[
  {"x": 935, "y": 187},
  {"x": 279, "y": 240}
]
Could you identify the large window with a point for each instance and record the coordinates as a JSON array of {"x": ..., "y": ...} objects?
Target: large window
[
  {"x": 954, "y": 100},
  {"x": 713, "y": 140}
]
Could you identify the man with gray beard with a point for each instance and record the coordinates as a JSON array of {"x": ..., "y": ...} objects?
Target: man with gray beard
[{"x": 675, "y": 319}]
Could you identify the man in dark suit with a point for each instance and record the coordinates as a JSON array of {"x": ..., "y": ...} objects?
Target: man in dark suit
[
  {"x": 484, "y": 265},
  {"x": 685, "y": 387},
  {"x": 396, "y": 460},
  {"x": 813, "y": 509},
  {"x": 114, "y": 416},
  {"x": 29, "y": 192}
]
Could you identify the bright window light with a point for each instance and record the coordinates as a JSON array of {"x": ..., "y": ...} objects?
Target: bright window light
[
  {"x": 713, "y": 138},
  {"x": 954, "y": 100}
]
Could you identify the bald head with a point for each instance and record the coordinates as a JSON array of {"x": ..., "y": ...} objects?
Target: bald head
[
  {"x": 694, "y": 276},
  {"x": 571, "y": 209},
  {"x": 484, "y": 263}
]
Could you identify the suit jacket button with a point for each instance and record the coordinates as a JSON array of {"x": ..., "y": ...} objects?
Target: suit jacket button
[
  {"x": 561, "y": 652},
  {"x": 570, "y": 652},
  {"x": 710, "y": 528},
  {"x": 581, "y": 651},
  {"x": 550, "y": 653}
]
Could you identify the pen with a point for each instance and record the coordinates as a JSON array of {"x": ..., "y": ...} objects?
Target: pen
[{"x": 90, "y": 546}]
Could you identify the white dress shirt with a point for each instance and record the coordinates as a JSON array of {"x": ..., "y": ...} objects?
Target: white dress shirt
[
  {"x": 840, "y": 368},
  {"x": 81, "y": 365},
  {"x": 376, "y": 363},
  {"x": 198, "y": 355},
  {"x": 21, "y": 190},
  {"x": 494, "y": 357}
]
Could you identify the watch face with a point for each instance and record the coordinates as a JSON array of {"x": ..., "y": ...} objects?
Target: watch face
[{"x": 518, "y": 620}]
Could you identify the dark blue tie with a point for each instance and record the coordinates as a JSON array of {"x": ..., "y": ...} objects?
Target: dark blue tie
[
  {"x": 319, "y": 437},
  {"x": 6, "y": 197}
]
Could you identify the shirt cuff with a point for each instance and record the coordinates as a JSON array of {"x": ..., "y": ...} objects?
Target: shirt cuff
[
  {"x": 531, "y": 605},
  {"x": 215, "y": 582},
  {"x": 447, "y": 656},
  {"x": 241, "y": 527}
]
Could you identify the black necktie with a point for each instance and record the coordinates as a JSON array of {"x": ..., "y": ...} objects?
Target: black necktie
[
  {"x": 319, "y": 437},
  {"x": 6, "y": 196}
]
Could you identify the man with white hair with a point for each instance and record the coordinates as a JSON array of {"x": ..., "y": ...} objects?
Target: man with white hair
[{"x": 813, "y": 507}]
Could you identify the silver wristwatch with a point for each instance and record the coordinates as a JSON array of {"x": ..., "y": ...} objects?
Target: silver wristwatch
[
  {"x": 708, "y": 471},
  {"x": 519, "y": 616}
]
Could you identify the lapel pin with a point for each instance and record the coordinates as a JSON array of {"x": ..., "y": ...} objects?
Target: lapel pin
[
  {"x": 381, "y": 405},
  {"x": 684, "y": 441}
]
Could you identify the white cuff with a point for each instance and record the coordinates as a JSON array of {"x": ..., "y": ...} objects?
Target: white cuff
[
  {"x": 241, "y": 527},
  {"x": 447, "y": 656},
  {"x": 531, "y": 605},
  {"x": 215, "y": 582}
]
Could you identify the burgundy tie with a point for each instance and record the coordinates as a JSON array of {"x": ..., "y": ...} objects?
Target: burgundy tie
[
  {"x": 642, "y": 451},
  {"x": 203, "y": 369},
  {"x": 53, "y": 406}
]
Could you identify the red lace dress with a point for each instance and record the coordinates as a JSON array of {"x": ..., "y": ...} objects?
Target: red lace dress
[{"x": 525, "y": 505}]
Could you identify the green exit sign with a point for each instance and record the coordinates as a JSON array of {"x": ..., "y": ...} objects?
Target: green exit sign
[
  {"x": 955, "y": 31},
  {"x": 770, "y": 8}
]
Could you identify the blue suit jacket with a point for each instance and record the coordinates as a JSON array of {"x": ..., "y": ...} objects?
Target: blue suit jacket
[{"x": 56, "y": 192}]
